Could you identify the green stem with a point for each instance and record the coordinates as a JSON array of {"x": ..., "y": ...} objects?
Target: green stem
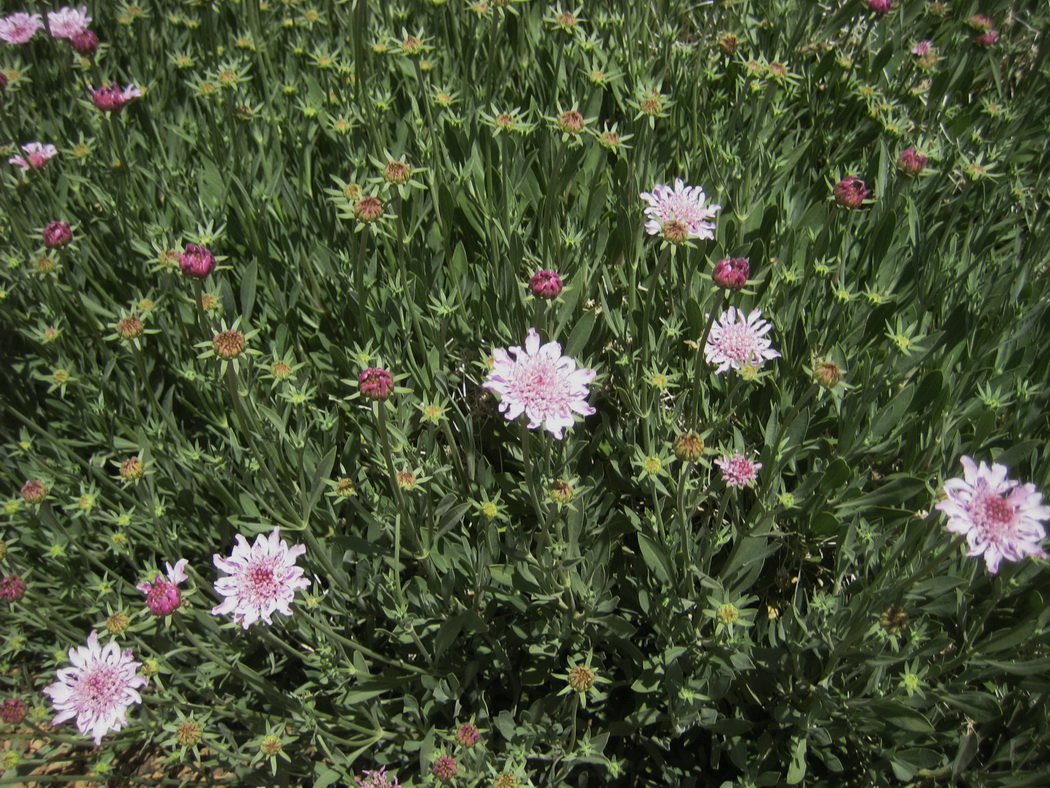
[{"x": 700, "y": 362}]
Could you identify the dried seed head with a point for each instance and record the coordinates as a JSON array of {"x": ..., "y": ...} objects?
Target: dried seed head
[
  {"x": 271, "y": 745},
  {"x": 728, "y": 43}
]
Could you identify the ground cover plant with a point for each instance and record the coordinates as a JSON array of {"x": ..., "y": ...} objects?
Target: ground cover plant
[{"x": 507, "y": 393}]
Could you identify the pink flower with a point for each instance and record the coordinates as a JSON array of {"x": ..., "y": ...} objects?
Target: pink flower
[
  {"x": 738, "y": 470},
  {"x": 375, "y": 383},
  {"x": 98, "y": 689},
  {"x": 922, "y": 48},
  {"x": 444, "y": 768},
  {"x": 999, "y": 518},
  {"x": 163, "y": 596},
  {"x": 12, "y": 710},
  {"x": 378, "y": 779},
  {"x": 19, "y": 28},
  {"x": 68, "y": 22},
  {"x": 541, "y": 383},
  {"x": 731, "y": 273},
  {"x": 37, "y": 155},
  {"x": 84, "y": 43},
  {"x": 545, "y": 284},
  {"x": 987, "y": 39},
  {"x": 110, "y": 98},
  {"x": 911, "y": 162},
  {"x": 12, "y": 588},
  {"x": 196, "y": 261},
  {"x": 737, "y": 341},
  {"x": 680, "y": 213},
  {"x": 880, "y": 7},
  {"x": 57, "y": 234},
  {"x": 262, "y": 579},
  {"x": 851, "y": 192}
]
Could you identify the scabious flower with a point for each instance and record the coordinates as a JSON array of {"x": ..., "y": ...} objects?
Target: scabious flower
[
  {"x": 36, "y": 156},
  {"x": 84, "y": 43},
  {"x": 262, "y": 580},
  {"x": 196, "y": 261},
  {"x": 12, "y": 710},
  {"x": 467, "y": 734},
  {"x": 19, "y": 28},
  {"x": 731, "y": 273},
  {"x": 737, "y": 341},
  {"x": 34, "y": 491},
  {"x": 999, "y": 517},
  {"x": 880, "y": 7},
  {"x": 163, "y": 596},
  {"x": 112, "y": 98},
  {"x": 911, "y": 162},
  {"x": 12, "y": 588},
  {"x": 545, "y": 284},
  {"x": 57, "y": 234},
  {"x": 987, "y": 38},
  {"x": 922, "y": 48},
  {"x": 68, "y": 22},
  {"x": 375, "y": 383},
  {"x": 444, "y": 768},
  {"x": 680, "y": 213},
  {"x": 97, "y": 689},
  {"x": 851, "y": 192},
  {"x": 738, "y": 470},
  {"x": 541, "y": 383},
  {"x": 377, "y": 779}
]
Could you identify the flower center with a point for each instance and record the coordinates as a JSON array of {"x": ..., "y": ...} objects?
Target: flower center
[
  {"x": 98, "y": 687},
  {"x": 261, "y": 581},
  {"x": 738, "y": 342},
  {"x": 992, "y": 513}
]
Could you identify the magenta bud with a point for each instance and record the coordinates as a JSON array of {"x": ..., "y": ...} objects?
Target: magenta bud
[
  {"x": 850, "y": 192},
  {"x": 84, "y": 43},
  {"x": 375, "y": 383},
  {"x": 57, "y": 234},
  {"x": 987, "y": 39},
  {"x": 911, "y": 162},
  {"x": 731, "y": 273},
  {"x": 163, "y": 598},
  {"x": 12, "y": 710},
  {"x": 197, "y": 261},
  {"x": 880, "y": 7},
  {"x": 12, "y": 588},
  {"x": 545, "y": 284}
]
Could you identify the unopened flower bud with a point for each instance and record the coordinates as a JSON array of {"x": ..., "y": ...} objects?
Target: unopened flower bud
[
  {"x": 368, "y": 209},
  {"x": 129, "y": 327},
  {"x": 987, "y": 39},
  {"x": 57, "y": 235},
  {"x": 444, "y": 768},
  {"x": 228, "y": 344},
  {"x": 570, "y": 122},
  {"x": 376, "y": 383},
  {"x": 12, "y": 710},
  {"x": 188, "y": 733},
  {"x": 851, "y": 192},
  {"x": 581, "y": 678},
  {"x": 827, "y": 374},
  {"x": 117, "y": 623},
  {"x": 689, "y": 447},
  {"x": 561, "y": 492},
  {"x": 131, "y": 469},
  {"x": 728, "y": 43},
  {"x": 880, "y": 7},
  {"x": 911, "y": 162},
  {"x": 545, "y": 284},
  {"x": 893, "y": 619},
  {"x": 467, "y": 735},
  {"x": 271, "y": 745},
  {"x": 731, "y": 273},
  {"x": 34, "y": 491},
  {"x": 12, "y": 588},
  {"x": 196, "y": 261},
  {"x": 397, "y": 172},
  {"x": 84, "y": 43}
]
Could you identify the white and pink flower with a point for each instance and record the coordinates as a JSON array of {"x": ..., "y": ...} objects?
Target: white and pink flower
[
  {"x": 680, "y": 213},
  {"x": 19, "y": 28},
  {"x": 263, "y": 579},
  {"x": 97, "y": 689},
  {"x": 737, "y": 341},
  {"x": 999, "y": 517},
  {"x": 540, "y": 382},
  {"x": 68, "y": 22},
  {"x": 36, "y": 156},
  {"x": 738, "y": 470}
]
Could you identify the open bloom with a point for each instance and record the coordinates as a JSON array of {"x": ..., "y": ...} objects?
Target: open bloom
[
  {"x": 541, "y": 383},
  {"x": 111, "y": 98},
  {"x": 738, "y": 470},
  {"x": 737, "y": 341},
  {"x": 679, "y": 213},
  {"x": 163, "y": 596},
  {"x": 68, "y": 22},
  {"x": 20, "y": 28},
  {"x": 999, "y": 517},
  {"x": 98, "y": 689},
  {"x": 262, "y": 579},
  {"x": 36, "y": 156}
]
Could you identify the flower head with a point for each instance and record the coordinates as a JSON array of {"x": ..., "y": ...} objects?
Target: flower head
[
  {"x": 851, "y": 192},
  {"x": 262, "y": 579},
  {"x": 36, "y": 156},
  {"x": 545, "y": 284},
  {"x": 163, "y": 596},
  {"x": 999, "y": 517},
  {"x": 987, "y": 38},
  {"x": 57, "y": 234},
  {"x": 34, "y": 491},
  {"x": 376, "y": 383},
  {"x": 12, "y": 588},
  {"x": 922, "y": 48},
  {"x": 68, "y": 22},
  {"x": 738, "y": 470},
  {"x": 541, "y": 383},
  {"x": 12, "y": 710},
  {"x": 911, "y": 162},
  {"x": 368, "y": 209},
  {"x": 229, "y": 344},
  {"x": 378, "y": 779},
  {"x": 688, "y": 447},
  {"x": 737, "y": 341},
  {"x": 112, "y": 98},
  {"x": 20, "y": 28},
  {"x": 679, "y": 213},
  {"x": 880, "y": 7},
  {"x": 97, "y": 689},
  {"x": 731, "y": 273},
  {"x": 84, "y": 43},
  {"x": 196, "y": 261},
  {"x": 444, "y": 768},
  {"x": 467, "y": 734}
]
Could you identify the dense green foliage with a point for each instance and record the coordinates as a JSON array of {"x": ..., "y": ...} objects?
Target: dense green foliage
[{"x": 818, "y": 626}]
